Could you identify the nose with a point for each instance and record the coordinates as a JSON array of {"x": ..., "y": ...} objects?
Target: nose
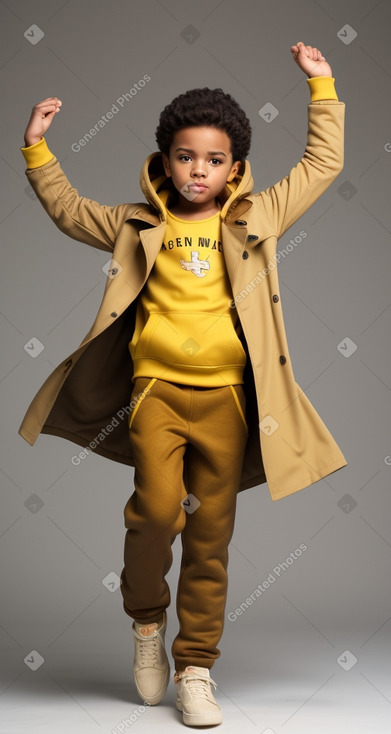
[{"x": 198, "y": 169}]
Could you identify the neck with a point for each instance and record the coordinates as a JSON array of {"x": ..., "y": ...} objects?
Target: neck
[{"x": 199, "y": 212}]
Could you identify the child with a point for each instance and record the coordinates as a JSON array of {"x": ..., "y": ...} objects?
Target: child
[{"x": 189, "y": 346}]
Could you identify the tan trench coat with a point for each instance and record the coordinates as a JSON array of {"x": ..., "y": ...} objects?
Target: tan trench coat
[{"x": 86, "y": 398}]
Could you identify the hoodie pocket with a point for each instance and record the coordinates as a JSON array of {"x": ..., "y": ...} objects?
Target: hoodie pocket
[{"x": 190, "y": 339}]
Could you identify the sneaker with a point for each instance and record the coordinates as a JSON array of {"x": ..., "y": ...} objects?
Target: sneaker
[
  {"x": 151, "y": 666},
  {"x": 195, "y": 698}
]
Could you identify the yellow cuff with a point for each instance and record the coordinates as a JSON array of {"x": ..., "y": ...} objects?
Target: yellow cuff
[
  {"x": 322, "y": 87},
  {"x": 37, "y": 155}
]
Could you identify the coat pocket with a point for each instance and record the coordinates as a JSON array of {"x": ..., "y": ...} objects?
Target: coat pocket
[
  {"x": 240, "y": 401},
  {"x": 135, "y": 403}
]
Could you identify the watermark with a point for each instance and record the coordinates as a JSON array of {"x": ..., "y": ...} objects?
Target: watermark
[
  {"x": 121, "y": 413},
  {"x": 34, "y": 660},
  {"x": 387, "y": 460},
  {"x": 272, "y": 577},
  {"x": 112, "y": 581},
  {"x": 261, "y": 274},
  {"x": 347, "y": 503},
  {"x": 190, "y": 504},
  {"x": 124, "y": 724},
  {"x": 347, "y": 347},
  {"x": 34, "y": 34},
  {"x": 347, "y": 660},
  {"x": 115, "y": 108},
  {"x": 347, "y": 34},
  {"x": 33, "y": 347}
]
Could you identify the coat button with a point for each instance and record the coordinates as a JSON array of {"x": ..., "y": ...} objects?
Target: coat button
[
  {"x": 114, "y": 271},
  {"x": 68, "y": 364},
  {"x": 252, "y": 237},
  {"x": 282, "y": 359},
  {"x": 245, "y": 255},
  {"x": 114, "y": 314},
  {"x": 275, "y": 298},
  {"x": 240, "y": 221}
]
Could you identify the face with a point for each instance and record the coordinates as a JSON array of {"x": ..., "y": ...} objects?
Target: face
[{"x": 200, "y": 155}]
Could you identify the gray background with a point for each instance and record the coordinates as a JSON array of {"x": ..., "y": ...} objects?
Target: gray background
[{"x": 284, "y": 666}]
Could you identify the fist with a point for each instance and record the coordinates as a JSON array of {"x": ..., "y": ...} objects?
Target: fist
[
  {"x": 40, "y": 119},
  {"x": 310, "y": 60}
]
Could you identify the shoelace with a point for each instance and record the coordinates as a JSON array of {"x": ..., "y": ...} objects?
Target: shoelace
[
  {"x": 199, "y": 686},
  {"x": 148, "y": 650}
]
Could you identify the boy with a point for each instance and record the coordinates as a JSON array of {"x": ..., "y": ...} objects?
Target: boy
[{"x": 190, "y": 316}]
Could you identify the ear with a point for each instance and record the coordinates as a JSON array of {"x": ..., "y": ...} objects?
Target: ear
[
  {"x": 234, "y": 170},
  {"x": 166, "y": 164}
]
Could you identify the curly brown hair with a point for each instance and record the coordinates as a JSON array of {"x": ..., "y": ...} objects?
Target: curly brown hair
[{"x": 205, "y": 107}]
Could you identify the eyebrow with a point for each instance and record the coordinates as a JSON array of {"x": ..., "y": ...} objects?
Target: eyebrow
[{"x": 210, "y": 152}]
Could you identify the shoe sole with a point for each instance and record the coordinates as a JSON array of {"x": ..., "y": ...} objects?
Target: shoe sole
[{"x": 200, "y": 719}]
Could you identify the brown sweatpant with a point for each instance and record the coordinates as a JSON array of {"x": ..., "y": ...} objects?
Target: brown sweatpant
[{"x": 188, "y": 445}]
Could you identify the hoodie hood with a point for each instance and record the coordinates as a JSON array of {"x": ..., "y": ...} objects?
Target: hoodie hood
[{"x": 160, "y": 192}]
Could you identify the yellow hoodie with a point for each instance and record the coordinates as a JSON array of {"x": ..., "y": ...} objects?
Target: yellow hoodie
[{"x": 185, "y": 321}]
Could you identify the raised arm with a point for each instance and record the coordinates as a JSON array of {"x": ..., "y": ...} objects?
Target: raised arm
[
  {"x": 323, "y": 159},
  {"x": 82, "y": 219}
]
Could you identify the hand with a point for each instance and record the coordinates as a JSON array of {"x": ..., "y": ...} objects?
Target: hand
[
  {"x": 310, "y": 60},
  {"x": 40, "y": 119}
]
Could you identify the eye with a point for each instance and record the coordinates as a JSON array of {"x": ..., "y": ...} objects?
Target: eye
[{"x": 184, "y": 155}]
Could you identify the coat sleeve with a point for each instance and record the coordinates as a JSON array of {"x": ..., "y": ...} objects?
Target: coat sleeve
[
  {"x": 82, "y": 219},
  {"x": 323, "y": 160}
]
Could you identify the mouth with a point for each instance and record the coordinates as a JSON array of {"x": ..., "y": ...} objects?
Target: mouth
[{"x": 198, "y": 187}]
